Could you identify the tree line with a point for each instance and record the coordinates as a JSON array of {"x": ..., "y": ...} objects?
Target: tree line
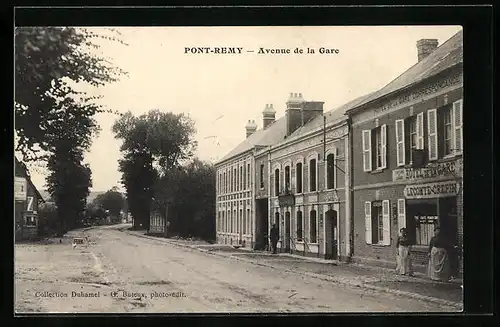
[
  {"x": 161, "y": 174},
  {"x": 55, "y": 124}
]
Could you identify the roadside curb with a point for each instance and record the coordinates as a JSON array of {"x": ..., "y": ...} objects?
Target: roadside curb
[{"x": 351, "y": 283}]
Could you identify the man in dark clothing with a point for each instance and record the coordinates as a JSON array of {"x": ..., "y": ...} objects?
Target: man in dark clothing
[{"x": 274, "y": 237}]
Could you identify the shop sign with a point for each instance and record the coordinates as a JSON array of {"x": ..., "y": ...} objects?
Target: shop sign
[
  {"x": 443, "y": 169},
  {"x": 420, "y": 93},
  {"x": 431, "y": 190},
  {"x": 20, "y": 188}
]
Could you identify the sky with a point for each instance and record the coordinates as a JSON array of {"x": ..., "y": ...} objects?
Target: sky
[{"x": 221, "y": 92}]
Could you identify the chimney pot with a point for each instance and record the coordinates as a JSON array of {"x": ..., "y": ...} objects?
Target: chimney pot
[{"x": 300, "y": 95}]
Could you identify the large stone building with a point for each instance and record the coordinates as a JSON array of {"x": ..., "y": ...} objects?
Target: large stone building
[
  {"x": 407, "y": 158},
  {"x": 301, "y": 182},
  {"x": 235, "y": 208}
]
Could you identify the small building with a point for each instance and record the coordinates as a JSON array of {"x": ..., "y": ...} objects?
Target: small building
[
  {"x": 26, "y": 201},
  {"x": 407, "y": 148}
]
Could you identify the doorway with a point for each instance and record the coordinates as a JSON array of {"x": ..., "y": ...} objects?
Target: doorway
[
  {"x": 331, "y": 237},
  {"x": 261, "y": 224},
  {"x": 286, "y": 240}
]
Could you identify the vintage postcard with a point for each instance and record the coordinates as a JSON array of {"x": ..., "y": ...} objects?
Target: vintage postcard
[{"x": 256, "y": 169}]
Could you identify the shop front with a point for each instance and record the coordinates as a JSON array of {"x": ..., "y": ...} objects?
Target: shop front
[{"x": 431, "y": 205}]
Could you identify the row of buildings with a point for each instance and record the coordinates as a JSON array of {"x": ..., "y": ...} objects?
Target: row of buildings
[{"x": 340, "y": 184}]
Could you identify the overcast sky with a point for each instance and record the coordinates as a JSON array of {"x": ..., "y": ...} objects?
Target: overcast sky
[{"x": 238, "y": 86}]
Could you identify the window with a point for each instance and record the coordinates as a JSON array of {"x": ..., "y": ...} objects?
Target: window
[
  {"x": 445, "y": 130},
  {"x": 248, "y": 176},
  {"x": 312, "y": 227},
  {"x": 409, "y": 138},
  {"x": 235, "y": 222},
  {"x": 262, "y": 176},
  {"x": 241, "y": 222},
  {"x": 235, "y": 179},
  {"x": 276, "y": 182},
  {"x": 312, "y": 175},
  {"x": 424, "y": 227},
  {"x": 377, "y": 222},
  {"x": 374, "y": 144},
  {"x": 225, "y": 183},
  {"x": 299, "y": 177},
  {"x": 287, "y": 178},
  {"x": 249, "y": 221},
  {"x": 330, "y": 171},
  {"x": 299, "y": 226},
  {"x": 244, "y": 185},
  {"x": 30, "y": 221}
]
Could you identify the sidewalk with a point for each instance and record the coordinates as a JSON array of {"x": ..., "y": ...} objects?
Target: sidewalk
[{"x": 354, "y": 275}]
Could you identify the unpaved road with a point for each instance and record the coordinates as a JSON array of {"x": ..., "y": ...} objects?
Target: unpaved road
[{"x": 123, "y": 273}]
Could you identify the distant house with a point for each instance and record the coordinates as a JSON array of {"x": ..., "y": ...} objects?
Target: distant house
[{"x": 26, "y": 201}]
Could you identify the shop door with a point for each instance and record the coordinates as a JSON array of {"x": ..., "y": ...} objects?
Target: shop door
[{"x": 287, "y": 232}]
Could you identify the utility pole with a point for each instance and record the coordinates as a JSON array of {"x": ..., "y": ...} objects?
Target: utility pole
[{"x": 324, "y": 138}]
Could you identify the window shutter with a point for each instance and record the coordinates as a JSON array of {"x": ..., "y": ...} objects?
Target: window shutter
[
  {"x": 368, "y": 222},
  {"x": 401, "y": 213},
  {"x": 400, "y": 142},
  {"x": 420, "y": 131},
  {"x": 432, "y": 131},
  {"x": 457, "y": 122},
  {"x": 367, "y": 150},
  {"x": 383, "y": 141},
  {"x": 386, "y": 220}
]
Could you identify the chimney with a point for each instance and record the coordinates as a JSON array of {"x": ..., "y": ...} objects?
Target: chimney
[
  {"x": 299, "y": 112},
  {"x": 425, "y": 47},
  {"x": 269, "y": 115},
  {"x": 250, "y": 127}
]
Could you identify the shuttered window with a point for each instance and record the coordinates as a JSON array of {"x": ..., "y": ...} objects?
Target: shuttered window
[
  {"x": 401, "y": 213},
  {"x": 368, "y": 222},
  {"x": 386, "y": 223},
  {"x": 432, "y": 133},
  {"x": 420, "y": 131},
  {"x": 400, "y": 142},
  {"x": 383, "y": 147},
  {"x": 458, "y": 126},
  {"x": 367, "y": 150}
]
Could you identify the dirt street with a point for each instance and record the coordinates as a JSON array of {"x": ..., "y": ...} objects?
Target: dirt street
[{"x": 118, "y": 272}]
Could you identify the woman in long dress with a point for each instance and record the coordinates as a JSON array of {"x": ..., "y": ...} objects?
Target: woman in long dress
[
  {"x": 439, "y": 263},
  {"x": 403, "y": 258}
]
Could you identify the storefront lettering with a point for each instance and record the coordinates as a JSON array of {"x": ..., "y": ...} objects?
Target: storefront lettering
[
  {"x": 431, "y": 190},
  {"x": 445, "y": 169},
  {"x": 426, "y": 90}
]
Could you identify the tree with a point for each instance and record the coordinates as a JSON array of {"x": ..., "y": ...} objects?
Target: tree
[
  {"x": 192, "y": 211},
  {"x": 112, "y": 201},
  {"x": 153, "y": 144},
  {"x": 49, "y": 61}
]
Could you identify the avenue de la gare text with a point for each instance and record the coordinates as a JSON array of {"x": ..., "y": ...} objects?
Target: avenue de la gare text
[{"x": 240, "y": 50}]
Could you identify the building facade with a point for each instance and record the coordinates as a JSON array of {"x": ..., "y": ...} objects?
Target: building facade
[
  {"x": 305, "y": 181},
  {"x": 235, "y": 191},
  {"x": 407, "y": 145},
  {"x": 26, "y": 201}
]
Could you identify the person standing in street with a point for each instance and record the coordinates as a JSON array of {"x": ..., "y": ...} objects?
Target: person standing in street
[
  {"x": 403, "y": 259},
  {"x": 274, "y": 238},
  {"x": 439, "y": 263}
]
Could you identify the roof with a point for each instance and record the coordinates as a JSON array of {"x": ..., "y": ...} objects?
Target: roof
[
  {"x": 445, "y": 56},
  {"x": 262, "y": 137},
  {"x": 23, "y": 170}
]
